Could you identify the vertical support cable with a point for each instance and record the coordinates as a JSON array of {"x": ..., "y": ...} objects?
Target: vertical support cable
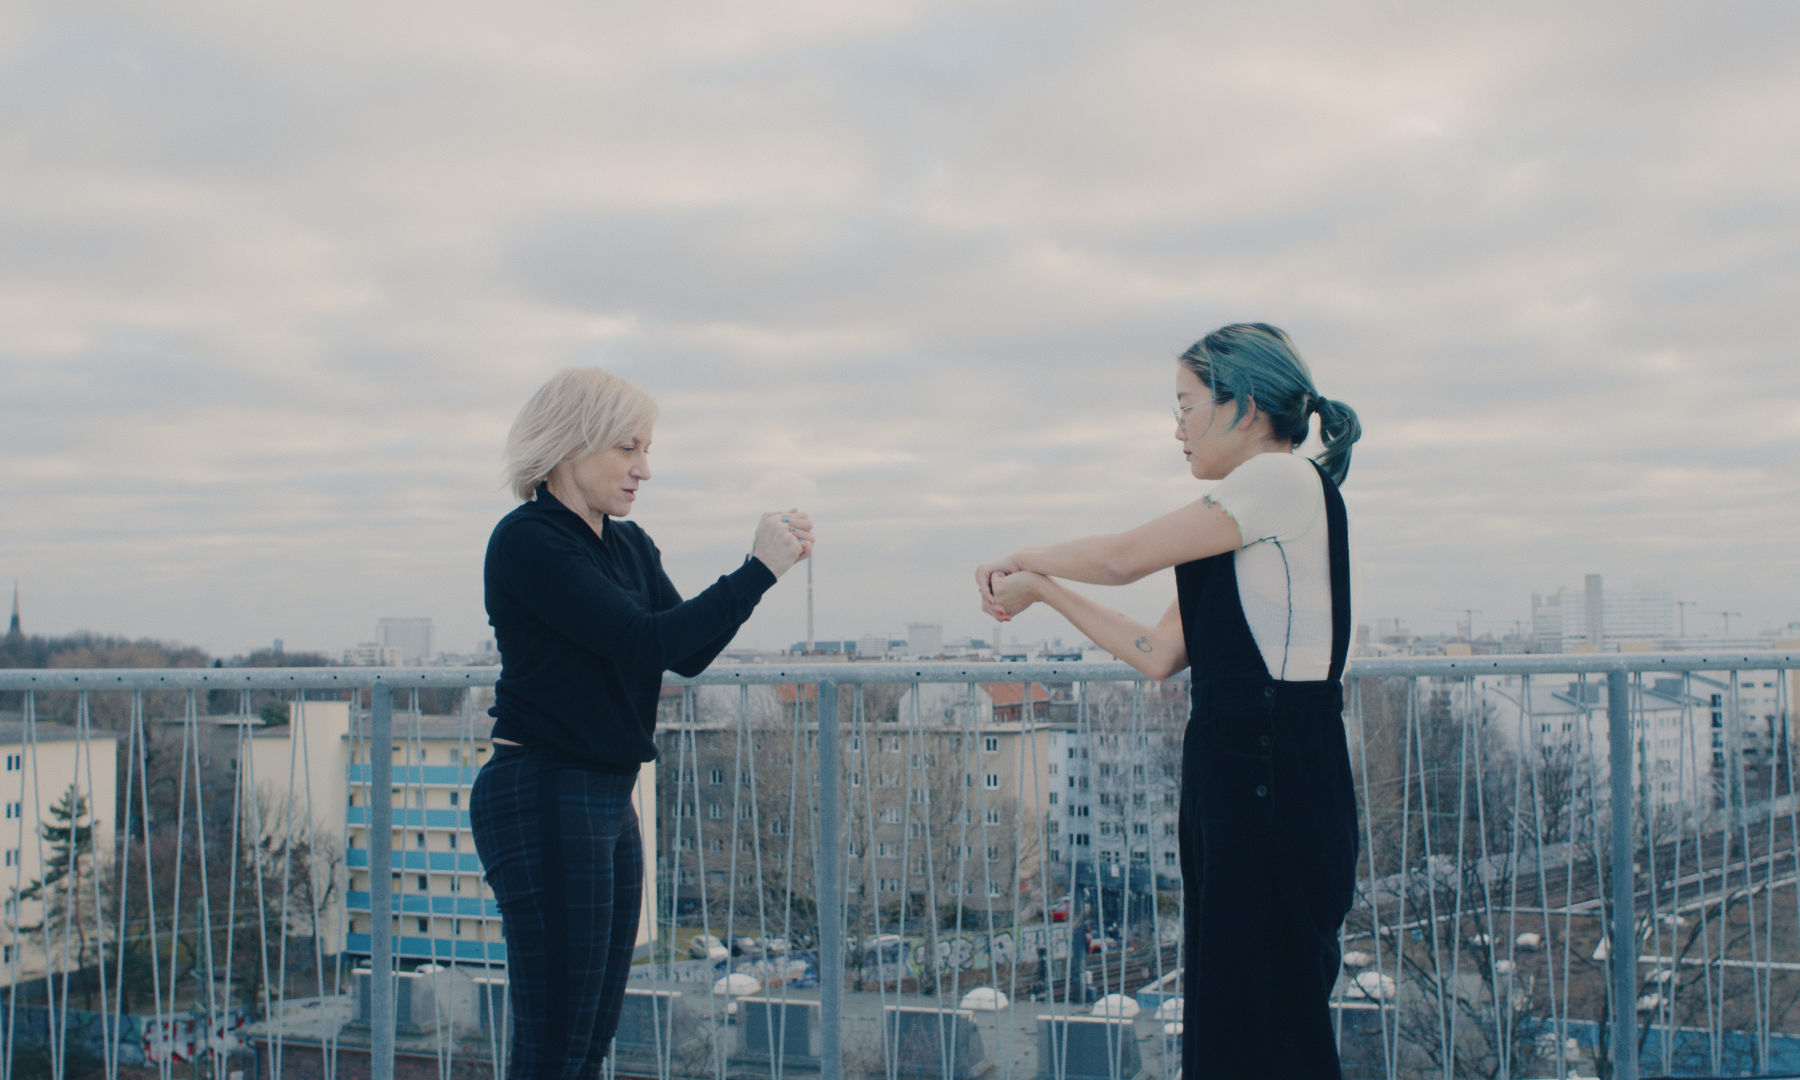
[
  {"x": 1623, "y": 952},
  {"x": 831, "y": 887},
  {"x": 381, "y": 882}
]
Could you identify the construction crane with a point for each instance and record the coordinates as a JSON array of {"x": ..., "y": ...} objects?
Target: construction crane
[
  {"x": 1683, "y": 605},
  {"x": 1469, "y": 625}
]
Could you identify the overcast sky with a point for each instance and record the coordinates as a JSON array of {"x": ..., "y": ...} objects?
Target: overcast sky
[{"x": 274, "y": 279}]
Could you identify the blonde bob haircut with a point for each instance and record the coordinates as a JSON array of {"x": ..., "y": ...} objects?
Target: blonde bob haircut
[{"x": 577, "y": 411}]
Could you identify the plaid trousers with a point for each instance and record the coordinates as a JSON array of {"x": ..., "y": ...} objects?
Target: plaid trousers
[{"x": 560, "y": 846}]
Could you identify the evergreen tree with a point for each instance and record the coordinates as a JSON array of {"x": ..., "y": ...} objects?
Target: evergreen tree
[{"x": 67, "y": 870}]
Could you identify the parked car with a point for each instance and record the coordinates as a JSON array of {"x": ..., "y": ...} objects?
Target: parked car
[{"x": 707, "y": 947}]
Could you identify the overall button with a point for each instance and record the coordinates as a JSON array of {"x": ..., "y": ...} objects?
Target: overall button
[
  {"x": 1268, "y": 691},
  {"x": 1263, "y": 740},
  {"x": 1262, "y": 790}
]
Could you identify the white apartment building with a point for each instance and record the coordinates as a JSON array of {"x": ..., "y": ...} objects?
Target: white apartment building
[
  {"x": 41, "y": 767},
  {"x": 294, "y": 782},
  {"x": 371, "y": 654},
  {"x": 1677, "y": 746}
]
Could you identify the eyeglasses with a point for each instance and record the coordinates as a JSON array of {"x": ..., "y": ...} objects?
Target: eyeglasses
[{"x": 1181, "y": 411}]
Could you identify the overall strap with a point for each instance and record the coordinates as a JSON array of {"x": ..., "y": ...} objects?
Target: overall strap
[{"x": 1338, "y": 528}]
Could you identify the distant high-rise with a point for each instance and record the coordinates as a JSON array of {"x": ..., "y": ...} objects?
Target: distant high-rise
[
  {"x": 925, "y": 639},
  {"x": 13, "y": 633},
  {"x": 1594, "y": 617},
  {"x": 412, "y": 636}
]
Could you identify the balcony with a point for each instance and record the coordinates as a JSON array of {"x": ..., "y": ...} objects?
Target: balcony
[{"x": 982, "y": 883}]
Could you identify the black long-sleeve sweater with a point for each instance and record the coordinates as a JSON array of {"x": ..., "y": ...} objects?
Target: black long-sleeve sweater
[{"x": 586, "y": 626}]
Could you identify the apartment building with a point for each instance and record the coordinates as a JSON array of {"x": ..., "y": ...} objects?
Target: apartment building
[
  {"x": 42, "y": 767},
  {"x": 443, "y": 910}
]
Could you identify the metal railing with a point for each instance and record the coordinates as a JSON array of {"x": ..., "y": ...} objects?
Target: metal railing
[{"x": 989, "y": 860}]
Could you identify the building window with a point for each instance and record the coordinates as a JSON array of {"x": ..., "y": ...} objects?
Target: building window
[
  {"x": 1053, "y": 798},
  {"x": 993, "y": 780},
  {"x": 12, "y": 856},
  {"x": 14, "y": 763},
  {"x": 452, "y": 841},
  {"x": 424, "y": 883},
  {"x": 919, "y": 796},
  {"x": 718, "y": 777},
  {"x": 13, "y": 810},
  {"x": 993, "y": 816},
  {"x": 715, "y": 812},
  {"x": 991, "y": 744},
  {"x": 456, "y": 798},
  {"x": 855, "y": 778}
]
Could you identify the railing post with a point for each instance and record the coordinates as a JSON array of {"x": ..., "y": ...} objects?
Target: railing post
[
  {"x": 1624, "y": 889},
  {"x": 381, "y": 882},
  {"x": 831, "y": 890}
]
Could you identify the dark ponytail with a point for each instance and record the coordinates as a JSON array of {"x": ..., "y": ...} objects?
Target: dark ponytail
[{"x": 1338, "y": 430}]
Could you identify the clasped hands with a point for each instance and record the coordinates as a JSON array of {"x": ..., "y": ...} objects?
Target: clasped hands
[{"x": 1007, "y": 588}]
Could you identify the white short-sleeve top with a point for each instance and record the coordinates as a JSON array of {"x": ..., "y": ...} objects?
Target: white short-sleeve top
[{"x": 1284, "y": 565}]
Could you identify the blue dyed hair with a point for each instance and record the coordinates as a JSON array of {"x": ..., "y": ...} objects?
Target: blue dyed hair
[{"x": 1246, "y": 361}]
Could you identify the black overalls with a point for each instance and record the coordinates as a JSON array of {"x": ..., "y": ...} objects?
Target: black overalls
[{"x": 1268, "y": 835}]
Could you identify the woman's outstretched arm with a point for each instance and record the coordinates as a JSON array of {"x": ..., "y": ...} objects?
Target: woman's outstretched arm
[
  {"x": 1158, "y": 651},
  {"x": 1195, "y": 531}
]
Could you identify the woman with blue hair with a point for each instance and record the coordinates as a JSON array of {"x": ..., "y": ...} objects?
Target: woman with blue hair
[{"x": 1268, "y": 831}]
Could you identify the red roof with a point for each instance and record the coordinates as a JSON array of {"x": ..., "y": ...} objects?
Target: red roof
[
  {"x": 1012, "y": 693},
  {"x": 789, "y": 693}
]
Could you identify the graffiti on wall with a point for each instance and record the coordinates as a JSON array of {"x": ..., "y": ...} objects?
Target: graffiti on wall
[{"x": 176, "y": 1038}]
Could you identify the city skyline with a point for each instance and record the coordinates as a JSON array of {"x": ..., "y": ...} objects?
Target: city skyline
[{"x": 277, "y": 281}]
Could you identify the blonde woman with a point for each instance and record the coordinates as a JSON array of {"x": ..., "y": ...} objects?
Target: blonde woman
[
  {"x": 1262, "y": 619},
  {"x": 586, "y": 622}
]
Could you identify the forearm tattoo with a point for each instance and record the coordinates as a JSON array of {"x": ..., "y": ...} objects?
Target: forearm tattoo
[{"x": 1143, "y": 644}]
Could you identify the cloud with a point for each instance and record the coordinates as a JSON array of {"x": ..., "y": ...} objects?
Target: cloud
[{"x": 274, "y": 280}]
